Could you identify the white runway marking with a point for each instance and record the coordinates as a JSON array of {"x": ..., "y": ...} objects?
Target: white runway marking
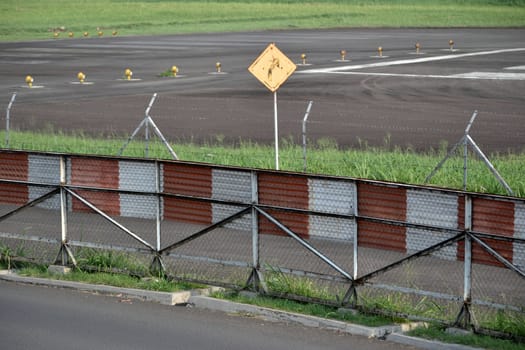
[
  {"x": 490, "y": 76},
  {"x": 408, "y": 61},
  {"x": 516, "y": 68},
  {"x": 471, "y": 75}
]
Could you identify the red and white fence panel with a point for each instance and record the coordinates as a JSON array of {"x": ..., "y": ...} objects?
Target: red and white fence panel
[{"x": 381, "y": 215}]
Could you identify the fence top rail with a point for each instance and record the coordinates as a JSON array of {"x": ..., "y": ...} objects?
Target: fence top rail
[{"x": 406, "y": 186}]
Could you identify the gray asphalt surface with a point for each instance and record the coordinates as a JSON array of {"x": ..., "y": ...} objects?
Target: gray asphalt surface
[
  {"x": 407, "y": 100},
  {"x": 35, "y": 317}
]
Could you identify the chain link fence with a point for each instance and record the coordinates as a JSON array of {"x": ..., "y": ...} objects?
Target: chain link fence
[{"x": 421, "y": 252}]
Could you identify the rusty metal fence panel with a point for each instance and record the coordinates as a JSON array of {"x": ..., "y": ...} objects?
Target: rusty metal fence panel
[
  {"x": 519, "y": 232},
  {"x": 440, "y": 254}
]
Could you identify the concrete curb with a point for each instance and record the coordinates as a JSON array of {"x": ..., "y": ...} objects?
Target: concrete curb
[
  {"x": 391, "y": 333},
  {"x": 426, "y": 344},
  {"x": 164, "y": 298},
  {"x": 289, "y": 317},
  {"x": 199, "y": 298}
]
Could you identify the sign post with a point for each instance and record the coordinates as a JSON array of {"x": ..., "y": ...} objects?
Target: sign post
[
  {"x": 276, "y": 132},
  {"x": 272, "y": 68}
]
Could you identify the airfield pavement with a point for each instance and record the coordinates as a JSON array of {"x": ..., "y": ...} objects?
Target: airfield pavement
[{"x": 416, "y": 100}]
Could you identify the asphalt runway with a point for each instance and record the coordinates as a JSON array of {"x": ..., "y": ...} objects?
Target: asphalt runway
[{"x": 411, "y": 100}]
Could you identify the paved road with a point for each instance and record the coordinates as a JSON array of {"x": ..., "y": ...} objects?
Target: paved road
[
  {"x": 47, "y": 318},
  {"x": 411, "y": 100}
]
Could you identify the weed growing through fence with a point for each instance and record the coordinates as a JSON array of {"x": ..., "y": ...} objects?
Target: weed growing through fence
[
  {"x": 505, "y": 321},
  {"x": 12, "y": 258},
  {"x": 107, "y": 260},
  {"x": 405, "y": 304},
  {"x": 5, "y": 256},
  {"x": 286, "y": 284},
  {"x": 113, "y": 269}
]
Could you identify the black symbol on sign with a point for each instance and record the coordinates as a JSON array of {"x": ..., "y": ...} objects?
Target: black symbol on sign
[{"x": 273, "y": 65}]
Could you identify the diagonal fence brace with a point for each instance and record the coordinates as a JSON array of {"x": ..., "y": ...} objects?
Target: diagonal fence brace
[
  {"x": 205, "y": 230},
  {"x": 496, "y": 255},
  {"x": 30, "y": 204},
  {"x": 350, "y": 298},
  {"x": 110, "y": 219},
  {"x": 305, "y": 244},
  {"x": 427, "y": 251}
]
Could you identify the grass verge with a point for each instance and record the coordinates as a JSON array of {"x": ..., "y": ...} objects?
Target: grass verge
[
  {"x": 323, "y": 311},
  {"x": 23, "y": 20},
  {"x": 96, "y": 267},
  {"x": 438, "y": 332},
  {"x": 325, "y": 157},
  {"x": 430, "y": 331},
  {"x": 110, "y": 279},
  {"x": 433, "y": 331}
]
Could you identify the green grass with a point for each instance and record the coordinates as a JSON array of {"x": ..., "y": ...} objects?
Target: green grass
[
  {"x": 505, "y": 321},
  {"x": 103, "y": 260},
  {"x": 24, "y": 20},
  {"x": 110, "y": 279},
  {"x": 437, "y": 332},
  {"x": 432, "y": 332},
  {"x": 325, "y": 157},
  {"x": 323, "y": 311},
  {"x": 286, "y": 284},
  {"x": 99, "y": 267},
  {"x": 405, "y": 304},
  {"x": 12, "y": 257}
]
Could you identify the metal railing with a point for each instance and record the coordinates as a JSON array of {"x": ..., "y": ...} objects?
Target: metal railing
[{"x": 346, "y": 240}]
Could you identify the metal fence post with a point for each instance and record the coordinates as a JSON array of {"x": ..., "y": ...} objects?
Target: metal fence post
[
  {"x": 465, "y": 164},
  {"x": 355, "y": 233},
  {"x": 304, "y": 133},
  {"x": 464, "y": 318},
  {"x": 159, "y": 204},
  {"x": 63, "y": 199},
  {"x": 157, "y": 266},
  {"x": 146, "y": 137},
  {"x": 256, "y": 279},
  {"x": 65, "y": 255},
  {"x": 351, "y": 295},
  {"x": 465, "y": 149},
  {"x": 7, "y": 117}
]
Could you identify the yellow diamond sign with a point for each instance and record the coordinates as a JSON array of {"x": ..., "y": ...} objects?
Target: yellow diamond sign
[{"x": 272, "y": 67}]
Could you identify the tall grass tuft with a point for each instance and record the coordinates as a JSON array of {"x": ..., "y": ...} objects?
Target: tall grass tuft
[
  {"x": 505, "y": 321},
  {"x": 109, "y": 261},
  {"x": 286, "y": 284}
]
